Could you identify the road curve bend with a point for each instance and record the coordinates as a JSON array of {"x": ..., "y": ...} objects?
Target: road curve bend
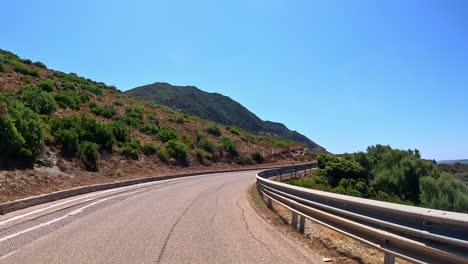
[{"x": 202, "y": 219}]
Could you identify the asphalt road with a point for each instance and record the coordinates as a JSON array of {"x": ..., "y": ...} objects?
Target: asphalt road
[{"x": 203, "y": 219}]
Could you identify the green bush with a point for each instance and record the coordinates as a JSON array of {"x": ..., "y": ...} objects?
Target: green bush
[
  {"x": 68, "y": 86},
  {"x": 47, "y": 85},
  {"x": 162, "y": 155},
  {"x": 2, "y": 66},
  {"x": 88, "y": 154},
  {"x": 22, "y": 131},
  {"x": 91, "y": 88},
  {"x": 135, "y": 111},
  {"x": 39, "y": 101},
  {"x": 180, "y": 120},
  {"x": 69, "y": 140},
  {"x": 149, "y": 149},
  {"x": 200, "y": 156},
  {"x": 257, "y": 157},
  {"x": 166, "y": 134},
  {"x": 87, "y": 129},
  {"x": 445, "y": 192},
  {"x": 176, "y": 150},
  {"x": 20, "y": 68},
  {"x": 336, "y": 168},
  {"x": 282, "y": 143},
  {"x": 214, "y": 130},
  {"x": 230, "y": 146},
  {"x": 118, "y": 102},
  {"x": 150, "y": 129},
  {"x": 68, "y": 100},
  {"x": 234, "y": 130},
  {"x": 132, "y": 150},
  {"x": 301, "y": 183},
  {"x": 205, "y": 144},
  {"x": 106, "y": 112},
  {"x": 40, "y": 65},
  {"x": 241, "y": 160},
  {"x": 120, "y": 131}
]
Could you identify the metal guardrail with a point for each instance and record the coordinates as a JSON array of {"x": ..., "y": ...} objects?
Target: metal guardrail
[{"x": 415, "y": 234}]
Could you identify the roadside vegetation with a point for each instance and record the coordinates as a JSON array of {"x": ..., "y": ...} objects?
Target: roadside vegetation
[
  {"x": 89, "y": 123},
  {"x": 392, "y": 175}
]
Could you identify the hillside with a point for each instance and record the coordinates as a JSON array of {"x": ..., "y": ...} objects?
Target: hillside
[
  {"x": 451, "y": 162},
  {"x": 217, "y": 108},
  {"x": 60, "y": 130}
]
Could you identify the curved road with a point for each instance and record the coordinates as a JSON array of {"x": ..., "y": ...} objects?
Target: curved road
[{"x": 202, "y": 219}]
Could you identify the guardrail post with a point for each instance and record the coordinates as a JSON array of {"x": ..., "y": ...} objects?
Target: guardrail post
[
  {"x": 302, "y": 224},
  {"x": 270, "y": 204},
  {"x": 389, "y": 259},
  {"x": 294, "y": 220}
]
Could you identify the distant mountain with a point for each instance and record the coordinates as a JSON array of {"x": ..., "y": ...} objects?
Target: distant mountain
[
  {"x": 462, "y": 161},
  {"x": 218, "y": 108}
]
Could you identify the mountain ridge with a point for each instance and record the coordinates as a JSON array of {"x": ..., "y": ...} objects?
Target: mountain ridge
[{"x": 218, "y": 108}]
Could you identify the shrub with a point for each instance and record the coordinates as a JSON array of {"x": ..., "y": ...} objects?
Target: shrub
[
  {"x": 20, "y": 68},
  {"x": 149, "y": 149},
  {"x": 150, "y": 129},
  {"x": 234, "y": 130},
  {"x": 68, "y": 100},
  {"x": 134, "y": 115},
  {"x": 40, "y": 65},
  {"x": 162, "y": 155},
  {"x": 282, "y": 143},
  {"x": 135, "y": 111},
  {"x": 240, "y": 160},
  {"x": 102, "y": 134},
  {"x": 166, "y": 134},
  {"x": 69, "y": 140},
  {"x": 180, "y": 120},
  {"x": 88, "y": 154},
  {"x": 39, "y": 101},
  {"x": 176, "y": 150},
  {"x": 205, "y": 144},
  {"x": 91, "y": 88},
  {"x": 120, "y": 131},
  {"x": 230, "y": 146},
  {"x": 106, "y": 112},
  {"x": 118, "y": 102},
  {"x": 27, "y": 61},
  {"x": 200, "y": 156},
  {"x": 47, "y": 85},
  {"x": 68, "y": 86},
  {"x": 132, "y": 150},
  {"x": 2, "y": 66},
  {"x": 257, "y": 157},
  {"x": 21, "y": 133},
  {"x": 214, "y": 130},
  {"x": 301, "y": 183},
  {"x": 87, "y": 129}
]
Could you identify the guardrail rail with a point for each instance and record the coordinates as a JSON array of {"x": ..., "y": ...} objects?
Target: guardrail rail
[{"x": 415, "y": 234}]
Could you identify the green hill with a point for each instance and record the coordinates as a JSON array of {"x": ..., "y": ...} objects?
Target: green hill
[{"x": 218, "y": 108}]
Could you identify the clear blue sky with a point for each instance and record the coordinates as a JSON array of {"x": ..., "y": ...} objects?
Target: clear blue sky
[{"x": 348, "y": 74}]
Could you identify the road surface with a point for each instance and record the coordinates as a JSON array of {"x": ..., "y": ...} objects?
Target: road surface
[{"x": 202, "y": 219}]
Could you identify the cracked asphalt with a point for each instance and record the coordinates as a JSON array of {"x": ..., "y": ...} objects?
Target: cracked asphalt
[{"x": 195, "y": 220}]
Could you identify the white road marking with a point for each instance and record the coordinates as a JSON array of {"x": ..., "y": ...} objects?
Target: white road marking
[
  {"x": 77, "y": 211},
  {"x": 51, "y": 206},
  {"x": 89, "y": 195}
]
